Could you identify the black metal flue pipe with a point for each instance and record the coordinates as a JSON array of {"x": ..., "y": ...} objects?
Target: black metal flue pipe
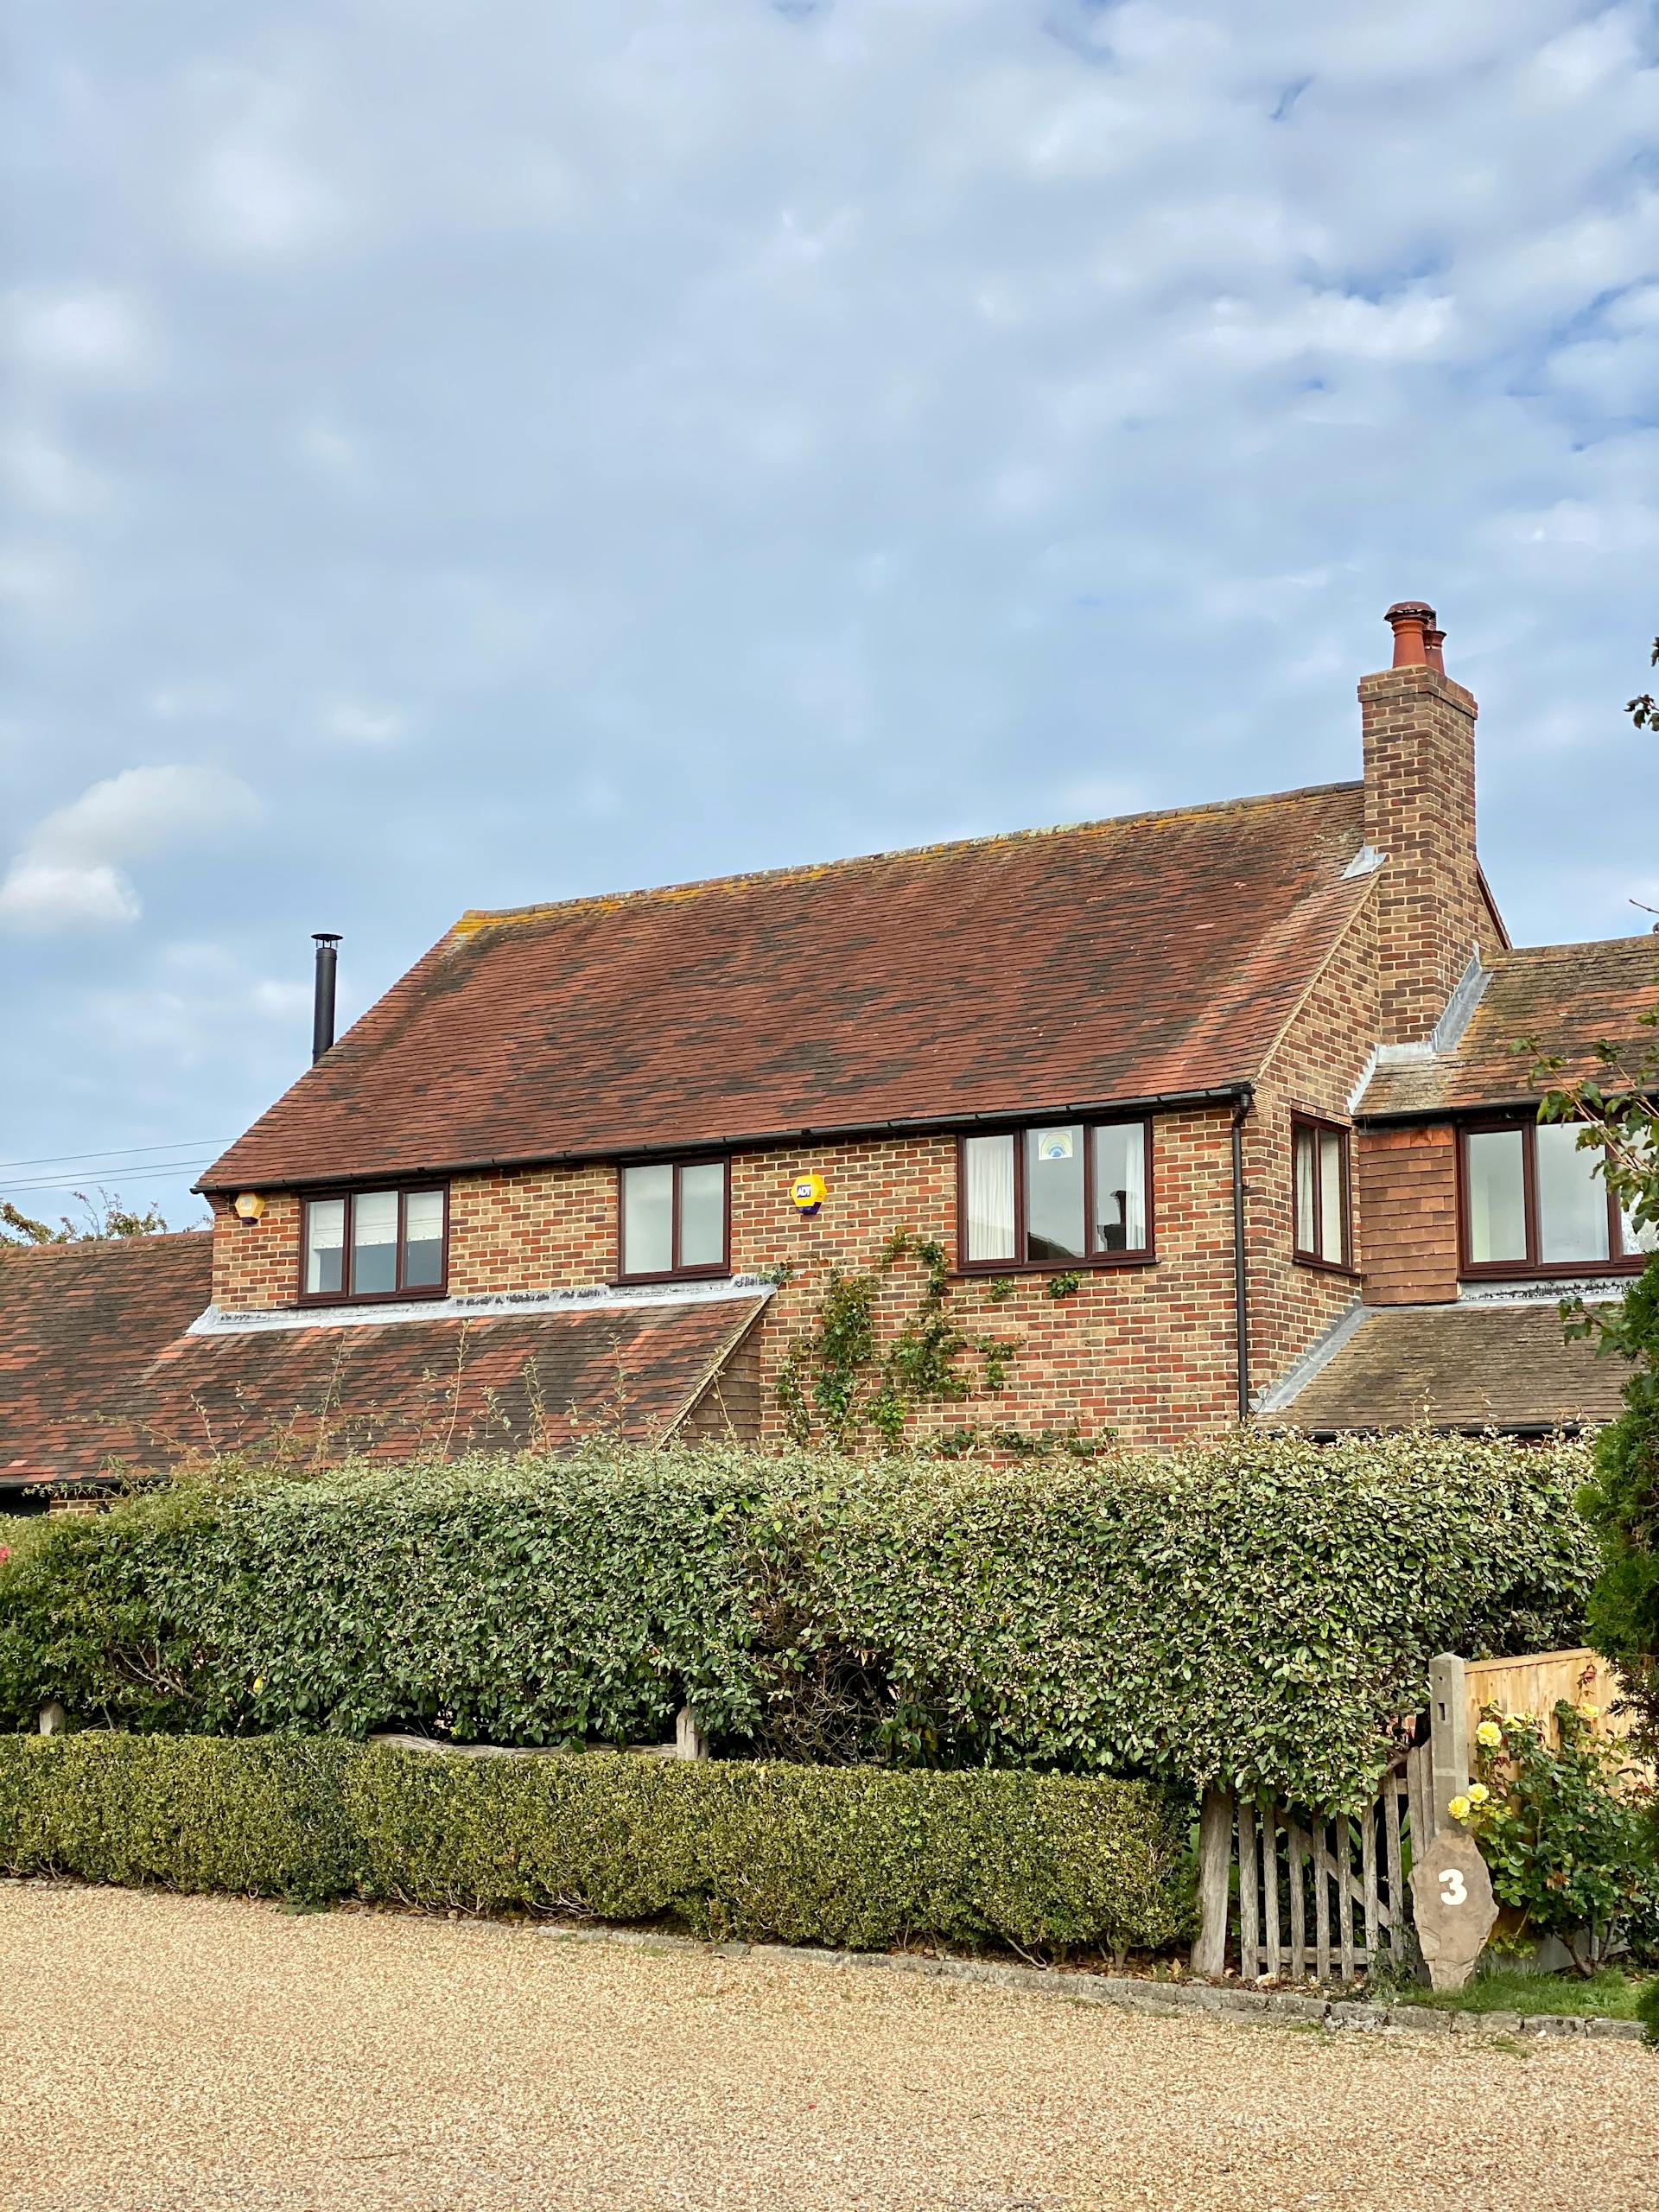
[{"x": 322, "y": 1005}]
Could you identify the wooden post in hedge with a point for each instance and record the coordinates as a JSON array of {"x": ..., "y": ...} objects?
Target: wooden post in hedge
[
  {"x": 1448, "y": 1714},
  {"x": 1215, "y": 1869}
]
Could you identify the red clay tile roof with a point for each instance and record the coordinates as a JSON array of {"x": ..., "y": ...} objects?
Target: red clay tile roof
[
  {"x": 1568, "y": 996},
  {"x": 80, "y": 1325},
  {"x": 1473, "y": 1366},
  {"x": 95, "y": 1364},
  {"x": 1150, "y": 955}
]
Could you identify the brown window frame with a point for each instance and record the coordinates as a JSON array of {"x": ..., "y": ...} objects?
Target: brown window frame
[
  {"x": 347, "y": 1296},
  {"x": 1617, "y": 1263},
  {"x": 1320, "y": 1125},
  {"x": 1145, "y": 1256},
  {"x": 709, "y": 1271}
]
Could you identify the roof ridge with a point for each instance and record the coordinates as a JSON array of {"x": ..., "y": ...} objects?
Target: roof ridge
[
  {"x": 1649, "y": 937},
  {"x": 478, "y": 918},
  {"x": 62, "y": 1244}
]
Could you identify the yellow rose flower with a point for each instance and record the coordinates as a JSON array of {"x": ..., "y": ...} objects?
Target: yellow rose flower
[
  {"x": 1478, "y": 1793},
  {"x": 1458, "y": 1809},
  {"x": 1588, "y": 1712},
  {"x": 1489, "y": 1734}
]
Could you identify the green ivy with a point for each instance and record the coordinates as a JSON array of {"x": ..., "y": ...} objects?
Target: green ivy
[
  {"x": 1063, "y": 1286},
  {"x": 1262, "y": 1609}
]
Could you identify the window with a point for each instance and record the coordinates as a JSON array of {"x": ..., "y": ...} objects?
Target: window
[
  {"x": 376, "y": 1244},
  {"x": 1061, "y": 1194},
  {"x": 674, "y": 1219},
  {"x": 1533, "y": 1204},
  {"x": 1318, "y": 1151}
]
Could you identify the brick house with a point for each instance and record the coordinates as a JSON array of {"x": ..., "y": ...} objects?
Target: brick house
[{"x": 1211, "y": 1112}]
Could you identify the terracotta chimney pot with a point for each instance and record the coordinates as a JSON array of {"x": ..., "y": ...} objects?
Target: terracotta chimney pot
[{"x": 1413, "y": 624}]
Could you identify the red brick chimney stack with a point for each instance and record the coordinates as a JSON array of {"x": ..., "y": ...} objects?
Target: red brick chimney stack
[{"x": 1420, "y": 813}]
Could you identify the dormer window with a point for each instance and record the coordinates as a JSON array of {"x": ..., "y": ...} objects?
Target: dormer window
[
  {"x": 368, "y": 1244},
  {"x": 1533, "y": 1204},
  {"x": 674, "y": 1220}
]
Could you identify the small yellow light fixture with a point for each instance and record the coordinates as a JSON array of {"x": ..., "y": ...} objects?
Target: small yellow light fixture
[
  {"x": 249, "y": 1206},
  {"x": 808, "y": 1193}
]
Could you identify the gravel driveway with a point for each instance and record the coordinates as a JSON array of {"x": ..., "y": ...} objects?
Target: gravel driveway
[{"x": 166, "y": 2054}]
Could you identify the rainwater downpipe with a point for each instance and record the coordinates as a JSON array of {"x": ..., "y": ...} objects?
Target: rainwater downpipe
[{"x": 1241, "y": 1273}]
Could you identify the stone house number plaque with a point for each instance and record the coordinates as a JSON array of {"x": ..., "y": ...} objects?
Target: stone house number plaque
[{"x": 1453, "y": 1905}]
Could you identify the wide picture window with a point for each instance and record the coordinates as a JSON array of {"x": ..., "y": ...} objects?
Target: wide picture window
[
  {"x": 376, "y": 1244},
  {"x": 1061, "y": 1194},
  {"x": 674, "y": 1219},
  {"x": 1534, "y": 1204}
]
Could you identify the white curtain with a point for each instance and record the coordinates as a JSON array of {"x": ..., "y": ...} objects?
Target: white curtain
[{"x": 990, "y": 1198}]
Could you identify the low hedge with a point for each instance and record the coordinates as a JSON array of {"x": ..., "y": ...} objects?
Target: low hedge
[
  {"x": 856, "y": 1857},
  {"x": 1261, "y": 1609}
]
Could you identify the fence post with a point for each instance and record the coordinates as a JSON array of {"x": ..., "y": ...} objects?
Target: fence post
[
  {"x": 690, "y": 1742},
  {"x": 1448, "y": 1733},
  {"x": 1215, "y": 1867}
]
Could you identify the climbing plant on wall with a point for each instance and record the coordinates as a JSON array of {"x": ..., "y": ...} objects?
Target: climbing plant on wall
[{"x": 842, "y": 1381}]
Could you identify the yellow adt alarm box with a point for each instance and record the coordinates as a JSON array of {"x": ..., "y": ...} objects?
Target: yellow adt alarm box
[{"x": 808, "y": 1193}]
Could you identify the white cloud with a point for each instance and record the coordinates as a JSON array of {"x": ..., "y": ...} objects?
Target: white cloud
[
  {"x": 362, "y": 722},
  {"x": 187, "y": 999},
  {"x": 72, "y": 871},
  {"x": 259, "y": 191},
  {"x": 88, "y": 335},
  {"x": 44, "y": 475}
]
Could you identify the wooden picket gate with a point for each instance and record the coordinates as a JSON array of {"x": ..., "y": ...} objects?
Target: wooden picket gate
[
  {"x": 1327, "y": 1895},
  {"x": 1291, "y": 1894}
]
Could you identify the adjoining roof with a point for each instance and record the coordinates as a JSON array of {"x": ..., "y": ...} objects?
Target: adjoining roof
[
  {"x": 1472, "y": 1366},
  {"x": 96, "y": 1362},
  {"x": 1568, "y": 996},
  {"x": 1150, "y": 955},
  {"x": 79, "y": 1326}
]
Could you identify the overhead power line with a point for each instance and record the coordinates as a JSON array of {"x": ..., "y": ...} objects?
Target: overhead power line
[
  {"x": 58, "y": 1183},
  {"x": 82, "y": 1163}
]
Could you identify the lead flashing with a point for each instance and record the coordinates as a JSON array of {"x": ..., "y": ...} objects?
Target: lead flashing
[{"x": 506, "y": 1305}]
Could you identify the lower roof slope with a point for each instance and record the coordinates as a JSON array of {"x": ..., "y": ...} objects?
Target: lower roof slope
[
  {"x": 1153, "y": 954},
  {"x": 1485, "y": 1365},
  {"x": 97, "y": 1363},
  {"x": 1568, "y": 997},
  {"x": 80, "y": 1325}
]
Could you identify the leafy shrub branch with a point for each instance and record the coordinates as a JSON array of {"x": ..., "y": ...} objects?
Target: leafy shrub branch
[{"x": 1262, "y": 1609}]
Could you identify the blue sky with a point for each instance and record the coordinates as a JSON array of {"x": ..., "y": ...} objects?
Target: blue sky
[{"x": 458, "y": 452}]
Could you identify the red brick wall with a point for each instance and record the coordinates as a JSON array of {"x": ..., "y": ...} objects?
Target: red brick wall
[
  {"x": 1419, "y": 731},
  {"x": 1313, "y": 1068},
  {"x": 1408, "y": 1189},
  {"x": 257, "y": 1264},
  {"x": 540, "y": 1228},
  {"x": 1145, "y": 1350}
]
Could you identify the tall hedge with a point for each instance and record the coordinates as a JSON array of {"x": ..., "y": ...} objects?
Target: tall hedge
[
  {"x": 851, "y": 1856},
  {"x": 1262, "y": 1609}
]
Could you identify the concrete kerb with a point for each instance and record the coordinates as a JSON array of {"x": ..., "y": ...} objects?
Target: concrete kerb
[{"x": 1136, "y": 1993}]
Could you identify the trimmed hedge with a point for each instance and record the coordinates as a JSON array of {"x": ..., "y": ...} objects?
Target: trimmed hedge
[
  {"x": 1260, "y": 1610},
  {"x": 855, "y": 1856}
]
